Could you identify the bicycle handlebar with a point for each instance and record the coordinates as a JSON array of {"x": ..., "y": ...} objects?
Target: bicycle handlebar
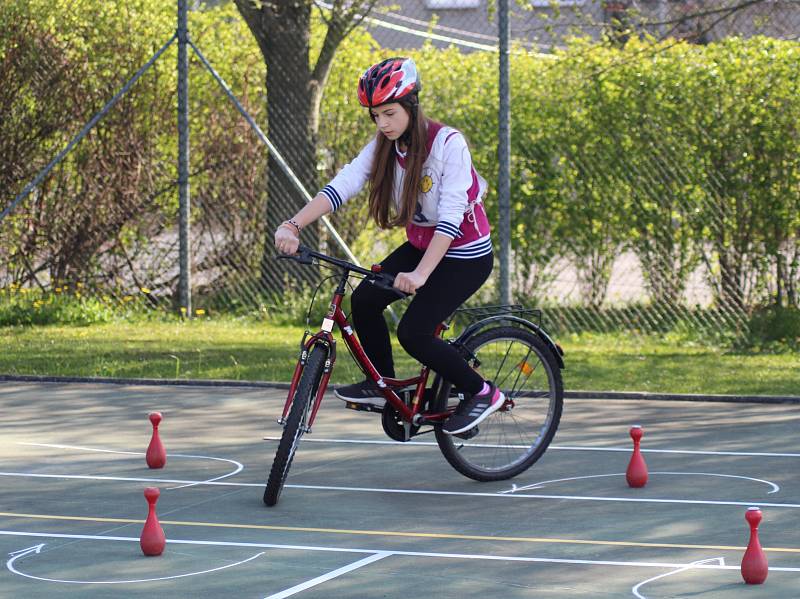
[{"x": 305, "y": 255}]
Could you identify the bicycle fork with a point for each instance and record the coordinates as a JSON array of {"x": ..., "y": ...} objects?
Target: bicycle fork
[{"x": 322, "y": 340}]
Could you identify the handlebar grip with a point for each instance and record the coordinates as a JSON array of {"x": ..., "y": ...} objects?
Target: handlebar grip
[
  {"x": 386, "y": 281},
  {"x": 302, "y": 256}
]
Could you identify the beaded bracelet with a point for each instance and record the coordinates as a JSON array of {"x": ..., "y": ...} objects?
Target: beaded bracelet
[{"x": 292, "y": 222}]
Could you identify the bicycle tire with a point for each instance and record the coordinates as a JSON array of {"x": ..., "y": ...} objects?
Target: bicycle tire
[
  {"x": 463, "y": 453},
  {"x": 295, "y": 424}
]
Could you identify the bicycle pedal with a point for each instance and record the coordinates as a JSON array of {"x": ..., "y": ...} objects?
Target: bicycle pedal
[{"x": 362, "y": 407}]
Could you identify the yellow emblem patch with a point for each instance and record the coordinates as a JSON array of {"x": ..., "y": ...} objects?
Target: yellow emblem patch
[{"x": 425, "y": 184}]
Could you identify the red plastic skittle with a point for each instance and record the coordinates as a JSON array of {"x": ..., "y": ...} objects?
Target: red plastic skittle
[
  {"x": 754, "y": 562},
  {"x": 636, "y": 474},
  {"x": 152, "y": 539},
  {"x": 156, "y": 455}
]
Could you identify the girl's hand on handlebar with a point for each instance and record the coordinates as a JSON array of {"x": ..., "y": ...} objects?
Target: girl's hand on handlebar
[
  {"x": 286, "y": 240},
  {"x": 409, "y": 282}
]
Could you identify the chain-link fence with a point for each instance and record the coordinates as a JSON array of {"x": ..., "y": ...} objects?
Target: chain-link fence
[{"x": 655, "y": 179}]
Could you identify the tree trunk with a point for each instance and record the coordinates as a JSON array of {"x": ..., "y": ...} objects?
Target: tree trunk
[
  {"x": 289, "y": 114},
  {"x": 294, "y": 93},
  {"x": 731, "y": 292}
]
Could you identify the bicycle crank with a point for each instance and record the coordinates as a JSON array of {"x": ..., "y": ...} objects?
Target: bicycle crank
[{"x": 394, "y": 425}]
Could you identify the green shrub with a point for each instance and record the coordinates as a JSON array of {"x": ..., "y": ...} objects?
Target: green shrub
[
  {"x": 775, "y": 328},
  {"x": 35, "y": 307},
  {"x": 683, "y": 154}
]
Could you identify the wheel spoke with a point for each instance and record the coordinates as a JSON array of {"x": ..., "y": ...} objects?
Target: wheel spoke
[{"x": 513, "y": 438}]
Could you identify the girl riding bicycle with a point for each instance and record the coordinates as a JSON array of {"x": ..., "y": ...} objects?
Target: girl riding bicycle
[{"x": 421, "y": 177}]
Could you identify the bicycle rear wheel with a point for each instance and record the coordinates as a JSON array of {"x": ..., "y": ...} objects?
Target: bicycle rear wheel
[
  {"x": 511, "y": 440},
  {"x": 296, "y": 424}
]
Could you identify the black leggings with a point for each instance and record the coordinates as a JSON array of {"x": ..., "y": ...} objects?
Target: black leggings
[{"x": 451, "y": 283}]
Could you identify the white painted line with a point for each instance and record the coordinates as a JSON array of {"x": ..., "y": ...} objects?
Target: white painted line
[
  {"x": 539, "y": 496},
  {"x": 54, "y": 535},
  {"x": 514, "y": 488},
  {"x": 238, "y": 466},
  {"x": 96, "y": 449},
  {"x": 329, "y": 576},
  {"x": 414, "y": 491},
  {"x": 680, "y": 451},
  {"x": 37, "y": 548},
  {"x": 551, "y": 447},
  {"x": 635, "y": 589},
  {"x": 132, "y": 479},
  {"x": 775, "y": 487},
  {"x": 473, "y": 556}
]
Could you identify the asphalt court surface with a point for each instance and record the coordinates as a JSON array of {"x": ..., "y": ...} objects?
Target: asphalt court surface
[{"x": 362, "y": 516}]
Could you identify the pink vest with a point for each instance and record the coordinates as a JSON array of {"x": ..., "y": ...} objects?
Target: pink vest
[{"x": 475, "y": 224}]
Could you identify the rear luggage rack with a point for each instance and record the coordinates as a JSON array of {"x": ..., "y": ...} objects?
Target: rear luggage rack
[{"x": 478, "y": 312}]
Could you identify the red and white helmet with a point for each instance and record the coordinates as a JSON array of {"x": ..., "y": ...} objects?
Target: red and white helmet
[{"x": 388, "y": 81}]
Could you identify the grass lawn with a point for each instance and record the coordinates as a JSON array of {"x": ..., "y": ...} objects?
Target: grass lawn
[{"x": 247, "y": 350}]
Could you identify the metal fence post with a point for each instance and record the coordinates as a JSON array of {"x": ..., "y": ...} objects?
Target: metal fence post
[
  {"x": 185, "y": 282},
  {"x": 504, "y": 155}
]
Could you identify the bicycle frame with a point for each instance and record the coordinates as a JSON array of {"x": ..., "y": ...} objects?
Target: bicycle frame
[{"x": 324, "y": 337}]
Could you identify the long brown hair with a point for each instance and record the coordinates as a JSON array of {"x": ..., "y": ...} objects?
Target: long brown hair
[{"x": 381, "y": 201}]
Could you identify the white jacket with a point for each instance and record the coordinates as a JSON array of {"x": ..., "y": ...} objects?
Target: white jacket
[{"x": 450, "y": 198}]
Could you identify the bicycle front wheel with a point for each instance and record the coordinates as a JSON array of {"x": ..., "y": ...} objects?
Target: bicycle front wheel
[
  {"x": 296, "y": 423},
  {"x": 511, "y": 440}
]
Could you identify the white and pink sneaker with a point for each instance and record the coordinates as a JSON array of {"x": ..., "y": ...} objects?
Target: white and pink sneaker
[{"x": 475, "y": 409}]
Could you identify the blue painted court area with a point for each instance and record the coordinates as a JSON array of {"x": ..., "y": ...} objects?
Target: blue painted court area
[{"x": 364, "y": 516}]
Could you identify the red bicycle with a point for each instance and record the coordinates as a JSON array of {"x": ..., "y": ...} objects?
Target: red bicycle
[{"x": 498, "y": 341}]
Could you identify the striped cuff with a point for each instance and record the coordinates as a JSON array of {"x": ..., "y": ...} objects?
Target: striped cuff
[
  {"x": 333, "y": 197},
  {"x": 474, "y": 250},
  {"x": 449, "y": 229}
]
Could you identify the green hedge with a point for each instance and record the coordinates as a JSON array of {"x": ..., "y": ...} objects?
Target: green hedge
[
  {"x": 687, "y": 155},
  {"x": 684, "y": 154}
]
